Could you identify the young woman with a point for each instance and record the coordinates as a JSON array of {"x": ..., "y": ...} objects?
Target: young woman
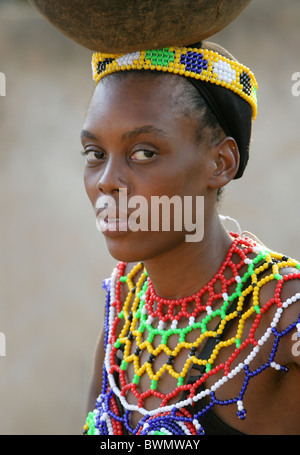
[{"x": 198, "y": 335}]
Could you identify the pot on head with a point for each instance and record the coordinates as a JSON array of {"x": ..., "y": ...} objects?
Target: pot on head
[{"x": 121, "y": 26}]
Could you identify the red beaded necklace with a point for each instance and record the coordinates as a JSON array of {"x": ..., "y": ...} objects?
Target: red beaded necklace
[{"x": 176, "y": 309}]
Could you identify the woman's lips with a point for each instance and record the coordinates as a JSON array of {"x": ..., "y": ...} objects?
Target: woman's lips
[
  {"x": 108, "y": 225},
  {"x": 111, "y": 219}
]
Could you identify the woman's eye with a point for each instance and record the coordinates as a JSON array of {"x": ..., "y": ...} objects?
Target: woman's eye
[
  {"x": 93, "y": 156},
  {"x": 143, "y": 155}
]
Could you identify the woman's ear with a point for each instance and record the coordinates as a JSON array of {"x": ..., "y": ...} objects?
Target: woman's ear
[{"x": 226, "y": 160}]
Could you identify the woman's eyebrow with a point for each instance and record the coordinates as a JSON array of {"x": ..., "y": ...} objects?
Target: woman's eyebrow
[
  {"x": 129, "y": 134},
  {"x": 88, "y": 134},
  {"x": 144, "y": 130}
]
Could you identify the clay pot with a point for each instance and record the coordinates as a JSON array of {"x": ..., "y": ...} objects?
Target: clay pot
[{"x": 120, "y": 26}]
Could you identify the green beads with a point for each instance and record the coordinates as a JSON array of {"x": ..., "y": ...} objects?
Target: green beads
[
  {"x": 160, "y": 57},
  {"x": 89, "y": 426}
]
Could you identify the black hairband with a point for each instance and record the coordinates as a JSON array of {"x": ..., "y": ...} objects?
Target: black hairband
[{"x": 233, "y": 113}]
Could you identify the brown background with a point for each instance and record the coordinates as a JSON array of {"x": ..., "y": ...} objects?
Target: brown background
[{"x": 52, "y": 258}]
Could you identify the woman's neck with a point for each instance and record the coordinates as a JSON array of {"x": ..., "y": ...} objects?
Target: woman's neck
[{"x": 187, "y": 268}]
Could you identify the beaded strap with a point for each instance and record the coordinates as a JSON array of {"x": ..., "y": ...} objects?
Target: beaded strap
[
  {"x": 203, "y": 64},
  {"x": 134, "y": 325}
]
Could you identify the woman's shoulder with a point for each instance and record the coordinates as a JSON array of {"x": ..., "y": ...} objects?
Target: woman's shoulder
[{"x": 277, "y": 281}]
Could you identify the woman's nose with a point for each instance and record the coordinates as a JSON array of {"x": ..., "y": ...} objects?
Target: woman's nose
[{"x": 112, "y": 177}]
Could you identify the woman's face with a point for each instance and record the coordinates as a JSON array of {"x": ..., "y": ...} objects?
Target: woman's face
[{"x": 140, "y": 143}]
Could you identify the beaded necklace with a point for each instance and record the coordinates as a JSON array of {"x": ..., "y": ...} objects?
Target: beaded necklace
[{"x": 145, "y": 323}]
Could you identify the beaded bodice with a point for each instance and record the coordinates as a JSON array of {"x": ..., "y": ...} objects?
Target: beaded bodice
[{"x": 216, "y": 332}]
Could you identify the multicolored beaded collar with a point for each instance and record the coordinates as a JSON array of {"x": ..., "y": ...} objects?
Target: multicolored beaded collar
[
  {"x": 144, "y": 323},
  {"x": 203, "y": 64}
]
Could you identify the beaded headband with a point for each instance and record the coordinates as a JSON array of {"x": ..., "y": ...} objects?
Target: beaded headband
[{"x": 202, "y": 64}]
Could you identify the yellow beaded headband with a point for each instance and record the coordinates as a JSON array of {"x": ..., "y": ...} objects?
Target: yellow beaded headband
[{"x": 203, "y": 64}]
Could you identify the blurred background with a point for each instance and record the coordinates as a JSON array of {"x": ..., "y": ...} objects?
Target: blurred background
[{"x": 52, "y": 258}]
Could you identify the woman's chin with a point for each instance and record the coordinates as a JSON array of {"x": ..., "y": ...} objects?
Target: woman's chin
[{"x": 138, "y": 247}]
